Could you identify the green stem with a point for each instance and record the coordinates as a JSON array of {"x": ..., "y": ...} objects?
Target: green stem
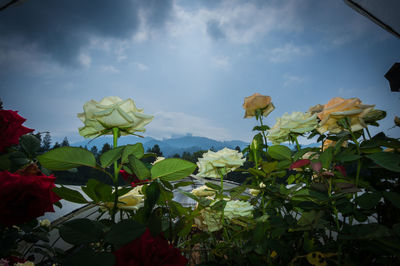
[
  {"x": 297, "y": 143},
  {"x": 263, "y": 132},
  {"x": 116, "y": 172}
]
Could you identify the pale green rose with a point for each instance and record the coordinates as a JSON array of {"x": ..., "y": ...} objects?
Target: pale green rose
[
  {"x": 238, "y": 208},
  {"x": 225, "y": 160},
  {"x": 158, "y": 159},
  {"x": 45, "y": 223},
  {"x": 132, "y": 200},
  {"x": 203, "y": 191},
  {"x": 26, "y": 263},
  {"x": 254, "y": 192},
  {"x": 297, "y": 122},
  {"x": 112, "y": 112},
  {"x": 209, "y": 220}
]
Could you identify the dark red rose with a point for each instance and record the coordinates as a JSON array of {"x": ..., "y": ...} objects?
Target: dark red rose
[
  {"x": 299, "y": 163},
  {"x": 341, "y": 169},
  {"x": 11, "y": 128},
  {"x": 132, "y": 178},
  {"x": 25, "y": 195},
  {"x": 149, "y": 250}
]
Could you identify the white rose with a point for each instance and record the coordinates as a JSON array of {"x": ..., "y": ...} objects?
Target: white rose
[
  {"x": 254, "y": 192},
  {"x": 208, "y": 220},
  {"x": 132, "y": 200},
  {"x": 203, "y": 191},
  {"x": 26, "y": 263},
  {"x": 100, "y": 117},
  {"x": 297, "y": 122},
  {"x": 158, "y": 159},
  {"x": 45, "y": 223},
  {"x": 225, "y": 160},
  {"x": 238, "y": 208}
]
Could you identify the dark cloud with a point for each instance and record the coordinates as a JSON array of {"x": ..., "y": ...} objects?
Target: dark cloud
[
  {"x": 61, "y": 28},
  {"x": 214, "y": 30}
]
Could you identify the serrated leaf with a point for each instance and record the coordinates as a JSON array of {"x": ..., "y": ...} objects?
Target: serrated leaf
[
  {"x": 213, "y": 186},
  {"x": 269, "y": 167},
  {"x": 69, "y": 194},
  {"x": 183, "y": 184},
  {"x": 326, "y": 158},
  {"x": 172, "y": 169},
  {"x": 65, "y": 158},
  {"x": 139, "y": 168},
  {"x": 387, "y": 160},
  {"x": 280, "y": 152},
  {"x": 109, "y": 157},
  {"x": 125, "y": 232},
  {"x": 137, "y": 150},
  {"x": 30, "y": 144},
  {"x": 80, "y": 231}
]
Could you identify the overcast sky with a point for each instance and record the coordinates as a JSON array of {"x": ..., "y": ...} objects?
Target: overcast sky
[{"x": 190, "y": 63}]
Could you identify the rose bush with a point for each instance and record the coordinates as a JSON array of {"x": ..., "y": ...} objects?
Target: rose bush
[
  {"x": 257, "y": 101},
  {"x": 149, "y": 250},
  {"x": 112, "y": 112},
  {"x": 25, "y": 195},
  {"x": 11, "y": 128},
  {"x": 225, "y": 161},
  {"x": 296, "y": 122}
]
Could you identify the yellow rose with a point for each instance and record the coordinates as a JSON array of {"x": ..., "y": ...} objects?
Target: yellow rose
[
  {"x": 225, "y": 161},
  {"x": 330, "y": 143},
  {"x": 132, "y": 200},
  {"x": 254, "y": 192},
  {"x": 203, "y": 191},
  {"x": 100, "y": 117},
  {"x": 297, "y": 122},
  {"x": 338, "y": 108},
  {"x": 257, "y": 101}
]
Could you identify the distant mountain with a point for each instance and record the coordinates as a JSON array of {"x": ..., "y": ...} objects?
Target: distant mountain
[{"x": 170, "y": 146}]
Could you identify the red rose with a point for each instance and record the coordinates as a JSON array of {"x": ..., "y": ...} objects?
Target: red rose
[
  {"x": 299, "y": 163},
  {"x": 11, "y": 128},
  {"x": 341, "y": 169},
  {"x": 25, "y": 195},
  {"x": 149, "y": 250},
  {"x": 132, "y": 178}
]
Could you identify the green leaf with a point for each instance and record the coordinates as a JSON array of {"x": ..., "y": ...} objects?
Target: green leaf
[
  {"x": 69, "y": 194},
  {"x": 261, "y": 128},
  {"x": 256, "y": 172},
  {"x": 107, "y": 158},
  {"x": 202, "y": 201},
  {"x": 80, "y": 231},
  {"x": 368, "y": 200},
  {"x": 326, "y": 158},
  {"x": 393, "y": 197},
  {"x": 137, "y": 150},
  {"x": 219, "y": 205},
  {"x": 30, "y": 144},
  {"x": 124, "y": 232},
  {"x": 65, "y": 158},
  {"x": 98, "y": 191},
  {"x": 183, "y": 184},
  {"x": 139, "y": 168},
  {"x": 172, "y": 169},
  {"x": 387, "y": 160},
  {"x": 152, "y": 194},
  {"x": 347, "y": 157},
  {"x": 213, "y": 186},
  {"x": 269, "y": 167},
  {"x": 280, "y": 152}
]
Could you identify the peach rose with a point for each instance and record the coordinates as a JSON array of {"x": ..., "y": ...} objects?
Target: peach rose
[
  {"x": 338, "y": 108},
  {"x": 257, "y": 101}
]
